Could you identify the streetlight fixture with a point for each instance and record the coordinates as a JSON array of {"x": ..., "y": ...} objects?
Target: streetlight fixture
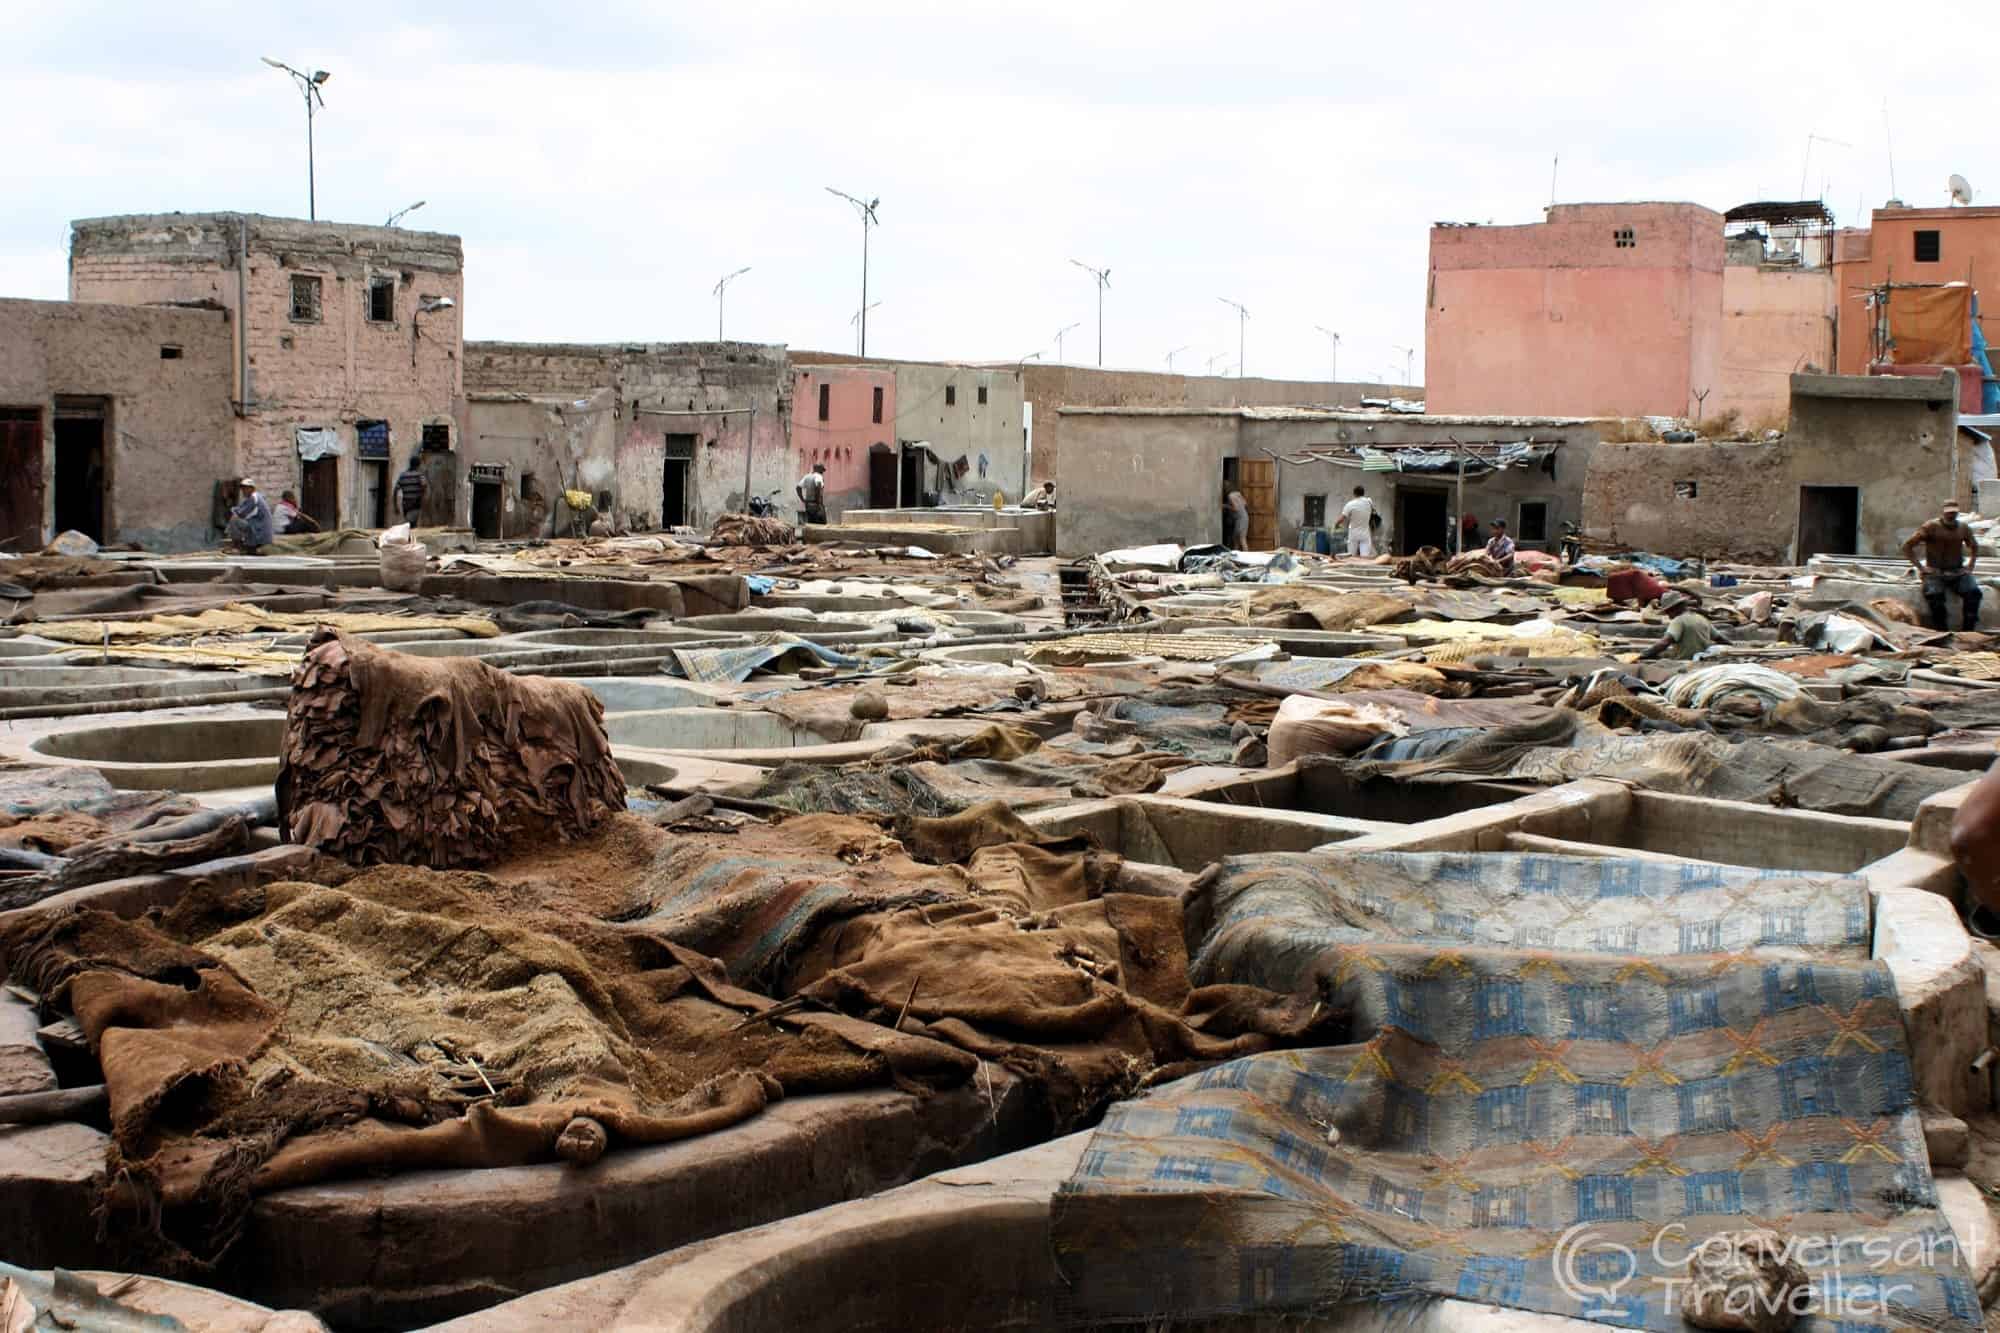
[
  {"x": 1242, "y": 319},
  {"x": 721, "y": 287},
  {"x": 309, "y": 86},
  {"x": 1219, "y": 356},
  {"x": 1176, "y": 352},
  {"x": 1334, "y": 376},
  {"x": 400, "y": 213},
  {"x": 866, "y": 208},
  {"x": 1059, "y": 337},
  {"x": 861, "y": 315},
  {"x": 1103, "y": 277},
  {"x": 1409, "y": 361}
]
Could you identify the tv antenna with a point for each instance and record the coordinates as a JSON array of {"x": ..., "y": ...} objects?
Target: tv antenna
[
  {"x": 1889, "y": 144},
  {"x": 1805, "y": 167}
]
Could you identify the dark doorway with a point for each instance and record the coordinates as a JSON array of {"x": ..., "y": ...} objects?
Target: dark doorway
[
  {"x": 486, "y": 509},
  {"x": 1230, "y": 483},
  {"x": 674, "y": 484},
  {"x": 20, "y": 479},
  {"x": 1829, "y": 521},
  {"x": 1420, "y": 519},
  {"x": 912, "y": 491},
  {"x": 881, "y": 477},
  {"x": 674, "y": 494},
  {"x": 319, "y": 492},
  {"x": 375, "y": 494},
  {"x": 80, "y": 470}
]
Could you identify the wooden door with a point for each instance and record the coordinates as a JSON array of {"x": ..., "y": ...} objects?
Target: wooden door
[
  {"x": 441, "y": 500},
  {"x": 1257, "y": 478},
  {"x": 20, "y": 479},
  {"x": 319, "y": 492}
]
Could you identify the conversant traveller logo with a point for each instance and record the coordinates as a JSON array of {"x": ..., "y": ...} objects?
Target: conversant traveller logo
[
  {"x": 1592, "y": 1270},
  {"x": 1849, "y": 1277}
]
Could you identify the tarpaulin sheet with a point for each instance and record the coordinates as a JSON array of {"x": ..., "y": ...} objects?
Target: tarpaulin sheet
[
  {"x": 317, "y": 442},
  {"x": 1930, "y": 326},
  {"x": 1685, "y": 1050},
  {"x": 716, "y": 666}
]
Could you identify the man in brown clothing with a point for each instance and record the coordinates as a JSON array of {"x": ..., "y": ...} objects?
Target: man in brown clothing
[{"x": 1950, "y": 552}]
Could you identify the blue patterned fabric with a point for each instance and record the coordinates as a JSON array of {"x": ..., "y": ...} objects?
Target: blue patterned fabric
[{"x": 1574, "y": 1070}]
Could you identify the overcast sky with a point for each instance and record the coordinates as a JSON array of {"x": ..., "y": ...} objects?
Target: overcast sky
[{"x": 605, "y": 163}]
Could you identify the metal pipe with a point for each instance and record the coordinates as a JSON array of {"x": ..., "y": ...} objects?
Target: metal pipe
[{"x": 242, "y": 317}]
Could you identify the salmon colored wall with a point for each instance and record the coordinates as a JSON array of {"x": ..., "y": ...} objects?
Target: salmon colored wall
[
  {"x": 1774, "y": 322},
  {"x": 1556, "y": 318},
  {"x": 1968, "y": 248},
  {"x": 841, "y": 441}
]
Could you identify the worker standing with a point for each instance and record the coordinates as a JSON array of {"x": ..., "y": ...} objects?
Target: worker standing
[
  {"x": 811, "y": 491},
  {"x": 1950, "y": 552},
  {"x": 1358, "y": 516},
  {"x": 411, "y": 489}
]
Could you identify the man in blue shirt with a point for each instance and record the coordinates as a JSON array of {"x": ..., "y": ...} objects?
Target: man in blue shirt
[{"x": 250, "y": 521}]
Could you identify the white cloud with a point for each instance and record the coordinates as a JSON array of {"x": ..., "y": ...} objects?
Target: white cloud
[{"x": 606, "y": 164}]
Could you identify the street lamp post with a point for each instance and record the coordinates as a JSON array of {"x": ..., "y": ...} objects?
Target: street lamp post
[
  {"x": 1176, "y": 352},
  {"x": 1242, "y": 319},
  {"x": 1059, "y": 337},
  {"x": 309, "y": 85},
  {"x": 866, "y": 208},
  {"x": 1103, "y": 279},
  {"x": 721, "y": 288},
  {"x": 1409, "y": 361},
  {"x": 1334, "y": 376},
  {"x": 400, "y": 213}
]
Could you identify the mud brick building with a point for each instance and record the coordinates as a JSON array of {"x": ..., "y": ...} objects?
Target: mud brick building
[{"x": 347, "y": 345}]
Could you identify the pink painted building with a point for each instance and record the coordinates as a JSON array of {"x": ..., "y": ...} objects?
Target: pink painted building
[
  {"x": 1600, "y": 310},
  {"x": 845, "y": 416}
]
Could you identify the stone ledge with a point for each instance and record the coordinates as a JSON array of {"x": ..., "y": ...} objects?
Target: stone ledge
[{"x": 1942, "y": 991}]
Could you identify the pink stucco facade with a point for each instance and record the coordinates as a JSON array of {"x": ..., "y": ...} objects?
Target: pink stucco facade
[
  {"x": 841, "y": 416},
  {"x": 1777, "y": 321},
  {"x": 1601, "y": 310},
  {"x": 1968, "y": 250}
]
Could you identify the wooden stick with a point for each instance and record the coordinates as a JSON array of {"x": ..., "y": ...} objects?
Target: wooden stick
[
  {"x": 898, "y": 1024},
  {"x": 35, "y": 1108}
]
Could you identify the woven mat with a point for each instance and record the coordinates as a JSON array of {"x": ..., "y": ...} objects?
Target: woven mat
[{"x": 1561, "y": 1061}]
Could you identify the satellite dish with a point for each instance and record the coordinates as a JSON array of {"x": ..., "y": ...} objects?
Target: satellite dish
[{"x": 1961, "y": 189}]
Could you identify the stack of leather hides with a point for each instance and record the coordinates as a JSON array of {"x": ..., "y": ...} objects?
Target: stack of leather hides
[{"x": 442, "y": 762}]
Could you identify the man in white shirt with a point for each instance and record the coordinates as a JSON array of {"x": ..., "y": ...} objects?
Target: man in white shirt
[
  {"x": 1357, "y": 516},
  {"x": 811, "y": 491}
]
